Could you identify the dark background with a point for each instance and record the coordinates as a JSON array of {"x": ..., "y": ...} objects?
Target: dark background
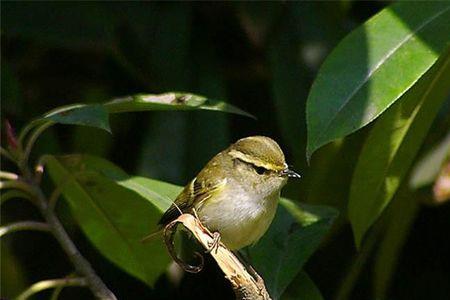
[{"x": 261, "y": 57}]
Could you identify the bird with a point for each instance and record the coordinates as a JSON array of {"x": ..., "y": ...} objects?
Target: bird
[{"x": 236, "y": 193}]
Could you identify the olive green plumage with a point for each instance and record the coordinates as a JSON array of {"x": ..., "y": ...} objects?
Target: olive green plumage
[{"x": 237, "y": 192}]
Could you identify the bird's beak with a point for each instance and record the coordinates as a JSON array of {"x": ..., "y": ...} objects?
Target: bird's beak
[{"x": 290, "y": 173}]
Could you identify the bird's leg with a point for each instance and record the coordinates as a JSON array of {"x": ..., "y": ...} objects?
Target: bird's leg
[{"x": 214, "y": 245}]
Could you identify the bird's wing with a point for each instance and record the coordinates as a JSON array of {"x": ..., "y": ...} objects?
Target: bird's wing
[{"x": 196, "y": 192}]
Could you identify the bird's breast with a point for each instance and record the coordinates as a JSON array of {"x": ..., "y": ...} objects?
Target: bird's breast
[{"x": 240, "y": 217}]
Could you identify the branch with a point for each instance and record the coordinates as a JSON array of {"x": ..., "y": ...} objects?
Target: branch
[
  {"x": 8, "y": 175},
  {"x": 49, "y": 284},
  {"x": 24, "y": 225},
  {"x": 245, "y": 286},
  {"x": 82, "y": 266}
]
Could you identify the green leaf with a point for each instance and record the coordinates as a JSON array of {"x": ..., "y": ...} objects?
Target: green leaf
[
  {"x": 114, "y": 217},
  {"x": 160, "y": 194},
  {"x": 97, "y": 115},
  {"x": 373, "y": 67},
  {"x": 427, "y": 169},
  {"x": 391, "y": 146},
  {"x": 80, "y": 114},
  {"x": 302, "y": 288},
  {"x": 400, "y": 217},
  {"x": 170, "y": 101},
  {"x": 291, "y": 239}
]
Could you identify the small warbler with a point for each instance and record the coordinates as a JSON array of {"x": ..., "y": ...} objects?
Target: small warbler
[{"x": 236, "y": 194}]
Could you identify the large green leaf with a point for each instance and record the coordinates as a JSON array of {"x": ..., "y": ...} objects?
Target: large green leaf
[
  {"x": 291, "y": 239},
  {"x": 113, "y": 216},
  {"x": 97, "y": 115},
  {"x": 391, "y": 146},
  {"x": 374, "y": 66}
]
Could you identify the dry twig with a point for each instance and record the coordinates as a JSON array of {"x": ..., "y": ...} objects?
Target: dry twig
[{"x": 245, "y": 285}]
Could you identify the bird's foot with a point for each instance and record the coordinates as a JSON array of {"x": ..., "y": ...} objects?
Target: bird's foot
[{"x": 214, "y": 245}]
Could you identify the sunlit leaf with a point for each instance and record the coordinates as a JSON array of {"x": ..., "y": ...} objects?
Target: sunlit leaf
[
  {"x": 170, "y": 101},
  {"x": 373, "y": 67}
]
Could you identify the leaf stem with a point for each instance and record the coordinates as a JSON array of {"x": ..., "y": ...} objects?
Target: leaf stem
[
  {"x": 49, "y": 284},
  {"x": 54, "y": 197},
  {"x": 16, "y": 184},
  {"x": 13, "y": 194},
  {"x": 8, "y": 175},
  {"x": 7, "y": 155},
  {"x": 37, "y": 132},
  {"x": 23, "y": 225}
]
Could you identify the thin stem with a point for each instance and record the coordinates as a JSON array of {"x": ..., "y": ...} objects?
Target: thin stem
[
  {"x": 8, "y": 175},
  {"x": 54, "y": 197},
  {"x": 16, "y": 184},
  {"x": 6, "y": 154},
  {"x": 13, "y": 194},
  {"x": 24, "y": 225},
  {"x": 49, "y": 284},
  {"x": 56, "y": 292},
  {"x": 23, "y": 133},
  {"x": 37, "y": 132}
]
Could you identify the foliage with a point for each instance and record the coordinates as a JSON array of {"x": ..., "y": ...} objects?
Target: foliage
[{"x": 376, "y": 118}]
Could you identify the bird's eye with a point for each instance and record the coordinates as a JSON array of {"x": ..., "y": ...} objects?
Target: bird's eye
[{"x": 260, "y": 170}]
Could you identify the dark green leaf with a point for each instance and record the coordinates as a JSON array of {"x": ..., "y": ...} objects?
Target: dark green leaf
[
  {"x": 391, "y": 146},
  {"x": 79, "y": 114},
  {"x": 302, "y": 288},
  {"x": 291, "y": 239},
  {"x": 170, "y": 101},
  {"x": 114, "y": 217},
  {"x": 373, "y": 67}
]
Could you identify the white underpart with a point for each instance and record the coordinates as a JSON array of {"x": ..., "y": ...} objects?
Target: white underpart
[{"x": 241, "y": 219}]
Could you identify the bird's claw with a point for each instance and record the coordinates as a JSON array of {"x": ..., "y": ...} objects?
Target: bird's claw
[{"x": 214, "y": 245}]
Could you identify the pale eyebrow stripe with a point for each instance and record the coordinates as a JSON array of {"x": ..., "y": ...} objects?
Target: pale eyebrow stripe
[{"x": 246, "y": 158}]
